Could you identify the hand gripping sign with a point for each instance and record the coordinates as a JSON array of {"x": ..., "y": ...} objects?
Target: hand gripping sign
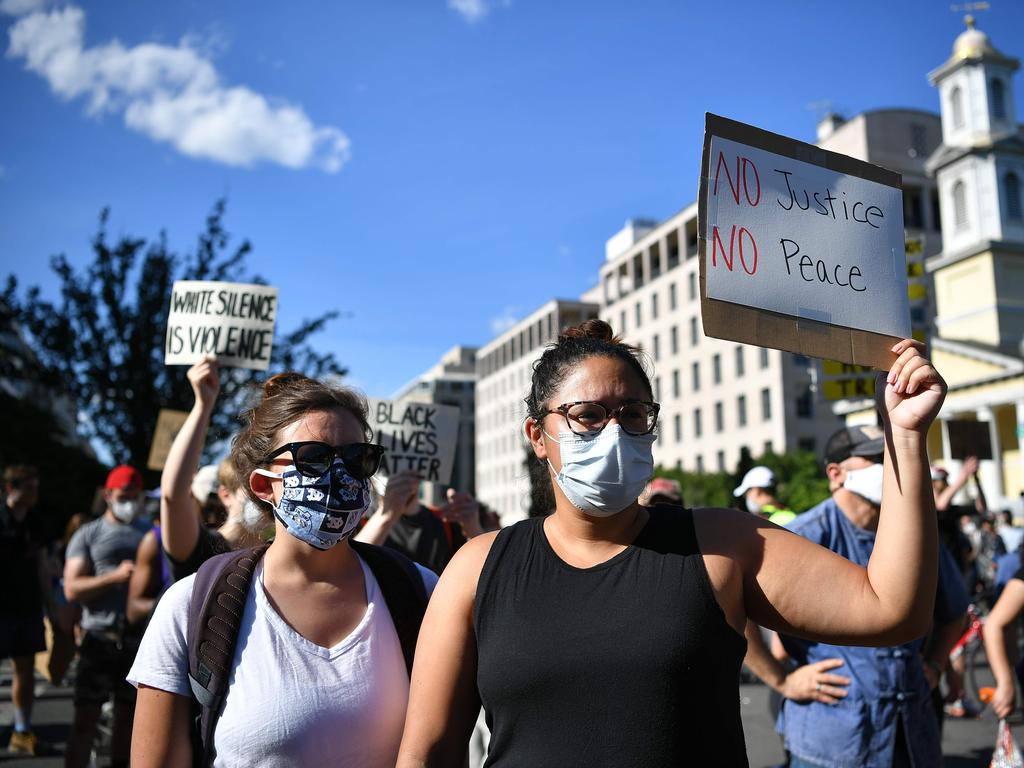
[
  {"x": 233, "y": 321},
  {"x": 801, "y": 249}
]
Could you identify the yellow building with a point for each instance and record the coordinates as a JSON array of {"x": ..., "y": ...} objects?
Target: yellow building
[{"x": 978, "y": 275}]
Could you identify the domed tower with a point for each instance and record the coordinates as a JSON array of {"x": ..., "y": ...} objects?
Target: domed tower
[{"x": 979, "y": 274}]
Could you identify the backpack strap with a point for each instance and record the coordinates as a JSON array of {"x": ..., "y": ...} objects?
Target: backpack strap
[
  {"x": 402, "y": 586},
  {"x": 214, "y": 619}
]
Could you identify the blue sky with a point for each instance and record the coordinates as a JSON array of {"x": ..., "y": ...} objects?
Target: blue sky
[{"x": 431, "y": 167}]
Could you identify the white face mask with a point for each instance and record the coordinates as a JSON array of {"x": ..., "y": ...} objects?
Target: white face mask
[
  {"x": 753, "y": 507},
  {"x": 125, "y": 511},
  {"x": 866, "y": 482},
  {"x": 603, "y": 474}
]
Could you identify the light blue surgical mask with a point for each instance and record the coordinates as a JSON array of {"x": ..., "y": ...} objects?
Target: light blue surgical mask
[
  {"x": 603, "y": 474},
  {"x": 321, "y": 511}
]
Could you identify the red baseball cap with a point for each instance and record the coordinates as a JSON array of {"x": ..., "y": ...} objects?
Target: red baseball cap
[{"x": 123, "y": 476}]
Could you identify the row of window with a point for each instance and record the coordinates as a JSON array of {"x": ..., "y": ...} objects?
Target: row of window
[
  {"x": 529, "y": 338},
  {"x": 621, "y": 274},
  {"x": 997, "y": 102}
]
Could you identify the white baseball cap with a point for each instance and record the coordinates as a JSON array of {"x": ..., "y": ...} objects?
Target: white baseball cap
[
  {"x": 758, "y": 477},
  {"x": 205, "y": 483}
]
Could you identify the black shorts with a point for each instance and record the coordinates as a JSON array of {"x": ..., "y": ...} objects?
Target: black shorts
[
  {"x": 21, "y": 635},
  {"x": 103, "y": 665}
]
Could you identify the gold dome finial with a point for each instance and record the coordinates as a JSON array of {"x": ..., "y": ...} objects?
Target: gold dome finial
[{"x": 969, "y": 21}]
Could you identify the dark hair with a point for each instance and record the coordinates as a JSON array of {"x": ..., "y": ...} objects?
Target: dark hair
[
  {"x": 591, "y": 338},
  {"x": 287, "y": 397},
  {"x": 20, "y": 472}
]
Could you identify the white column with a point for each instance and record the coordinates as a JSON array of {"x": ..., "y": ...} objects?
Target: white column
[
  {"x": 944, "y": 432},
  {"x": 986, "y": 414}
]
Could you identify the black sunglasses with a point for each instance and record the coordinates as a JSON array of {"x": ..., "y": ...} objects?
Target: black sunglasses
[{"x": 313, "y": 458}]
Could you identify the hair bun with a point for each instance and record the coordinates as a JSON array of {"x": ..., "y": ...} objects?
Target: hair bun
[
  {"x": 592, "y": 329},
  {"x": 280, "y": 382}
]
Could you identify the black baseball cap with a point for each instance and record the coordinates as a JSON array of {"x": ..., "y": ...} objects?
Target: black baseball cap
[{"x": 861, "y": 440}]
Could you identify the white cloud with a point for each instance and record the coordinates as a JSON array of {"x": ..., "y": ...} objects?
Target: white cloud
[
  {"x": 471, "y": 10},
  {"x": 21, "y": 7},
  {"x": 172, "y": 94},
  {"x": 504, "y": 321}
]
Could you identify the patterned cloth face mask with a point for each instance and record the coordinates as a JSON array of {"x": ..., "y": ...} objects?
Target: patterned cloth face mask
[{"x": 321, "y": 511}]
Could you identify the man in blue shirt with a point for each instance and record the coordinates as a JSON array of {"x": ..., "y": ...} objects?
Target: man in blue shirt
[{"x": 853, "y": 707}]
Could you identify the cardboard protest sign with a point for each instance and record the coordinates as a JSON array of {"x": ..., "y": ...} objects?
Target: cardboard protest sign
[
  {"x": 168, "y": 424},
  {"x": 801, "y": 249},
  {"x": 234, "y": 321},
  {"x": 969, "y": 438},
  {"x": 419, "y": 437}
]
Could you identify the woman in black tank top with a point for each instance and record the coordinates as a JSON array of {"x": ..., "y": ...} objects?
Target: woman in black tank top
[{"x": 608, "y": 634}]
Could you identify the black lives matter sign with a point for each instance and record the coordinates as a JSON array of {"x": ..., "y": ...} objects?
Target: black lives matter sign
[
  {"x": 418, "y": 437},
  {"x": 232, "y": 321}
]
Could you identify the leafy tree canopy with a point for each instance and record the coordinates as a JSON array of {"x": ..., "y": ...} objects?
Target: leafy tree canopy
[{"x": 102, "y": 340}]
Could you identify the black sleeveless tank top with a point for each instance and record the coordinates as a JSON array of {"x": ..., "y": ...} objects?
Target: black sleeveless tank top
[{"x": 630, "y": 663}]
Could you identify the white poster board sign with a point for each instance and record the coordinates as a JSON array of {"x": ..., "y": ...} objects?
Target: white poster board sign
[
  {"x": 419, "y": 437},
  {"x": 802, "y": 249},
  {"x": 233, "y": 321}
]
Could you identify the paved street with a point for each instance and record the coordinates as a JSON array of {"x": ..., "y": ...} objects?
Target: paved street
[{"x": 966, "y": 743}]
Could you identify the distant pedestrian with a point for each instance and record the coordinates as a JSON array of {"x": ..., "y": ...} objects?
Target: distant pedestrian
[
  {"x": 662, "y": 490},
  {"x": 24, "y": 590},
  {"x": 759, "y": 494},
  {"x": 100, "y": 561}
]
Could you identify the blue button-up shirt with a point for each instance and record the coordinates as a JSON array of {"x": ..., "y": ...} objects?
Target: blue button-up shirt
[{"x": 886, "y": 683}]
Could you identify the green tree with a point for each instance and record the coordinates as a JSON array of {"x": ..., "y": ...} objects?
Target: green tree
[{"x": 102, "y": 341}]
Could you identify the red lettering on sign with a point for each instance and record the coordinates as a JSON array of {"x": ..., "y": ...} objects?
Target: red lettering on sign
[{"x": 742, "y": 178}]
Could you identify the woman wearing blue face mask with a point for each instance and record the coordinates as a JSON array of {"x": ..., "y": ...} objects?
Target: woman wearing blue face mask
[
  {"x": 609, "y": 634},
  {"x": 318, "y": 675}
]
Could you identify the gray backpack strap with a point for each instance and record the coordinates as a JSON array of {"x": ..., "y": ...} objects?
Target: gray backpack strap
[{"x": 214, "y": 618}]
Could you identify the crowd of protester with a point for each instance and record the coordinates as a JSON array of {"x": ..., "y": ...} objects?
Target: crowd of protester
[{"x": 284, "y": 606}]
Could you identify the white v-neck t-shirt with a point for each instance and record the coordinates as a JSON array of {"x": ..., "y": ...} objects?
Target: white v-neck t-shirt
[{"x": 291, "y": 702}]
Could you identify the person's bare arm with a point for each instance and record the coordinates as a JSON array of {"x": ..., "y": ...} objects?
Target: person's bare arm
[
  {"x": 443, "y": 700},
  {"x": 944, "y": 499},
  {"x": 145, "y": 581},
  {"x": 811, "y": 682},
  {"x": 944, "y": 637},
  {"x": 890, "y": 601},
  {"x": 463, "y": 510},
  {"x": 980, "y": 502},
  {"x": 179, "y": 519},
  {"x": 81, "y": 585},
  {"x": 401, "y": 496},
  {"x": 1006, "y": 610},
  {"x": 160, "y": 734}
]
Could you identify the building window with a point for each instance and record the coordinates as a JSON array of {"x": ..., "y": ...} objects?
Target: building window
[
  {"x": 1011, "y": 188},
  {"x": 657, "y": 388},
  {"x": 960, "y": 205},
  {"x": 919, "y": 139},
  {"x": 764, "y": 357},
  {"x": 654, "y": 306},
  {"x": 672, "y": 296},
  {"x": 692, "y": 292},
  {"x": 720, "y": 460},
  {"x": 639, "y": 315},
  {"x": 719, "y": 417},
  {"x": 805, "y": 404},
  {"x": 739, "y": 362},
  {"x": 675, "y": 383},
  {"x": 657, "y": 347},
  {"x": 697, "y": 431},
  {"x": 695, "y": 370},
  {"x": 766, "y": 404},
  {"x": 675, "y": 340},
  {"x": 677, "y": 423},
  {"x": 741, "y": 411},
  {"x": 693, "y": 332},
  {"x": 913, "y": 212},
  {"x": 956, "y": 103},
  {"x": 700, "y": 464},
  {"x": 998, "y": 100},
  {"x": 622, "y": 321},
  {"x": 808, "y": 444},
  {"x": 768, "y": 446},
  {"x": 716, "y": 369}
]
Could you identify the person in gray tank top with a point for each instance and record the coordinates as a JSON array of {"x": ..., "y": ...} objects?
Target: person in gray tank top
[{"x": 608, "y": 634}]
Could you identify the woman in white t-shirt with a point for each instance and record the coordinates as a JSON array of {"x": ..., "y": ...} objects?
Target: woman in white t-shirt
[{"x": 318, "y": 675}]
